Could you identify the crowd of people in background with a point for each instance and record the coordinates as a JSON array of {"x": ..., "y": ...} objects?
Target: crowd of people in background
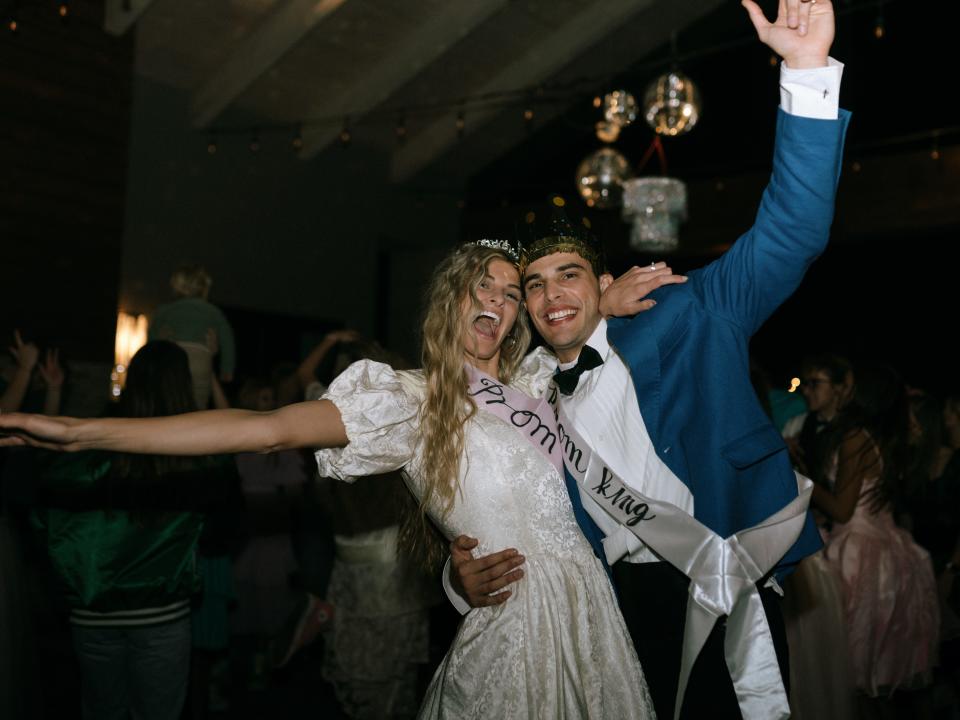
[{"x": 195, "y": 581}]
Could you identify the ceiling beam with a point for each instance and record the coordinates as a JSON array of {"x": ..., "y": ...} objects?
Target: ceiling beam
[
  {"x": 402, "y": 63},
  {"x": 279, "y": 33},
  {"x": 541, "y": 61},
  {"x": 120, "y": 15}
]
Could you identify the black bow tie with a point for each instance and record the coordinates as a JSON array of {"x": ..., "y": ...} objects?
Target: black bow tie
[{"x": 567, "y": 380}]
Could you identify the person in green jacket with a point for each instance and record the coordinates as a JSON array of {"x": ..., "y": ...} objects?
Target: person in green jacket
[{"x": 121, "y": 533}]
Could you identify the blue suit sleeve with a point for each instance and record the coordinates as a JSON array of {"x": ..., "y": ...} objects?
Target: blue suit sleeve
[{"x": 765, "y": 266}]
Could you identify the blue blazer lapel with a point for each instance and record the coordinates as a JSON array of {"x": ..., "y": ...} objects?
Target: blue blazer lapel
[{"x": 639, "y": 351}]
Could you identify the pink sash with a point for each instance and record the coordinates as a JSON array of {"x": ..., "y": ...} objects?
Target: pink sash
[{"x": 533, "y": 418}]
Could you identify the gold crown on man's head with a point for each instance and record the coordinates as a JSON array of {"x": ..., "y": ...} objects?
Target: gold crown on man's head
[{"x": 554, "y": 233}]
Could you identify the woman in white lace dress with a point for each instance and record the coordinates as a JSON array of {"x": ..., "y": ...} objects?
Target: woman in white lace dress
[{"x": 558, "y": 648}]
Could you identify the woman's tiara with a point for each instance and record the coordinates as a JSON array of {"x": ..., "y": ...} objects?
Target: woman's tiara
[{"x": 503, "y": 246}]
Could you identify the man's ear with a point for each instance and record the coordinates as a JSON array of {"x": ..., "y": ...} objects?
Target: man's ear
[{"x": 606, "y": 280}]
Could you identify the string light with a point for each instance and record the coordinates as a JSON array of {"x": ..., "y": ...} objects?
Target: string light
[
  {"x": 297, "y": 141},
  {"x": 461, "y": 124},
  {"x": 345, "y": 136},
  {"x": 64, "y": 10},
  {"x": 935, "y": 152},
  {"x": 401, "y": 130},
  {"x": 879, "y": 30},
  {"x": 597, "y": 101},
  {"x": 13, "y": 25},
  {"x": 212, "y": 145}
]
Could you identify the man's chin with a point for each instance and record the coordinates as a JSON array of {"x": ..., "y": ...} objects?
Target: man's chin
[{"x": 558, "y": 340}]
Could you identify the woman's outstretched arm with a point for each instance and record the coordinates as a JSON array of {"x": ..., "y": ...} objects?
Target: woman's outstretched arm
[{"x": 315, "y": 423}]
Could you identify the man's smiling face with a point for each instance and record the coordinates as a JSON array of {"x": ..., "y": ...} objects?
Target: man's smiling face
[{"x": 563, "y": 299}]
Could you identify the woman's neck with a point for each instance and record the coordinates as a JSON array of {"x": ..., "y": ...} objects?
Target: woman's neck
[{"x": 491, "y": 367}]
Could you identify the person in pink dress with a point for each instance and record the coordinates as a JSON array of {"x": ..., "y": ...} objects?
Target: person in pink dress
[{"x": 889, "y": 591}]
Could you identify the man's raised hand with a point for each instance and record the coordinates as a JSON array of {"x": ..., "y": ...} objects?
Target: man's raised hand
[
  {"x": 626, "y": 295},
  {"x": 802, "y": 33}
]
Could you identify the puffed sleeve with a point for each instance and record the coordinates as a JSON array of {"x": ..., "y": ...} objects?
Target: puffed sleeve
[
  {"x": 534, "y": 374},
  {"x": 380, "y": 417}
]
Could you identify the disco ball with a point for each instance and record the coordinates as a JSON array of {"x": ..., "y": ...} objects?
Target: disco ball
[
  {"x": 672, "y": 104},
  {"x": 600, "y": 178},
  {"x": 620, "y": 108}
]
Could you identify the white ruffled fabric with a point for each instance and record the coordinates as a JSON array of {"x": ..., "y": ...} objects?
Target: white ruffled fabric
[{"x": 558, "y": 648}]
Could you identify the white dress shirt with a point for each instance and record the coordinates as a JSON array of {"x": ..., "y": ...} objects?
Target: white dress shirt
[{"x": 604, "y": 410}]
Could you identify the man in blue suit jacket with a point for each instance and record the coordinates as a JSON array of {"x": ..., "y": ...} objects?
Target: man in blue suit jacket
[{"x": 695, "y": 436}]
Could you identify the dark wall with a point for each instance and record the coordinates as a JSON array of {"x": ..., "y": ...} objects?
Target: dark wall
[
  {"x": 315, "y": 240},
  {"x": 65, "y": 91}
]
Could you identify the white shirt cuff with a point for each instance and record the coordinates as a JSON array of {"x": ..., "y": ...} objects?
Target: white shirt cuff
[
  {"x": 811, "y": 92},
  {"x": 455, "y": 598}
]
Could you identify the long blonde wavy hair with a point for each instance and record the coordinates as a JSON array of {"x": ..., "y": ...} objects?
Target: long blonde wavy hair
[{"x": 446, "y": 406}]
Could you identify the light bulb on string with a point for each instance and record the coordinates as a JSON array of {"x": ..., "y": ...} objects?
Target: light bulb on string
[
  {"x": 13, "y": 25},
  {"x": 935, "y": 151},
  {"x": 297, "y": 142},
  {"x": 879, "y": 29},
  {"x": 528, "y": 115},
  {"x": 401, "y": 130},
  {"x": 64, "y": 10},
  {"x": 461, "y": 124},
  {"x": 345, "y": 136},
  {"x": 212, "y": 145}
]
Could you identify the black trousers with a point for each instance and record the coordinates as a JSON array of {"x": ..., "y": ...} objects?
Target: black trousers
[{"x": 653, "y": 599}]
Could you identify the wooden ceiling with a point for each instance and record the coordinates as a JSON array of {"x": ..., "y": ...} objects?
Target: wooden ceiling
[{"x": 286, "y": 61}]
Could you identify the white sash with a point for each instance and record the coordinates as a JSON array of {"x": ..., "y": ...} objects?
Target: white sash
[{"x": 723, "y": 572}]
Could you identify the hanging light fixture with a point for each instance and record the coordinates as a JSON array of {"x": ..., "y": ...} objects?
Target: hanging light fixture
[
  {"x": 672, "y": 104},
  {"x": 600, "y": 178},
  {"x": 655, "y": 206},
  {"x": 620, "y": 108},
  {"x": 607, "y": 132}
]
